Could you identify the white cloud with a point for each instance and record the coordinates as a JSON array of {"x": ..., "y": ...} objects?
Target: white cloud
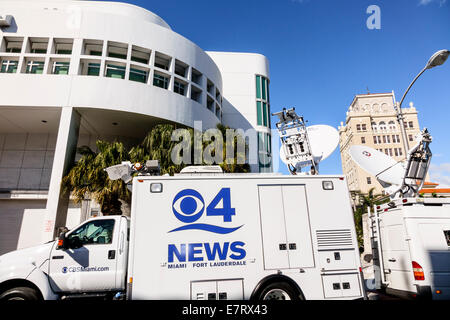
[
  {"x": 427, "y": 2},
  {"x": 440, "y": 173}
]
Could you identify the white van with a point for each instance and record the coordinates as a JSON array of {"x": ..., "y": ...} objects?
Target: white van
[
  {"x": 201, "y": 237},
  {"x": 411, "y": 247}
]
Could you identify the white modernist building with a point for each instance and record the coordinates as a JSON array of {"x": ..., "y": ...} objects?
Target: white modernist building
[{"x": 72, "y": 72}]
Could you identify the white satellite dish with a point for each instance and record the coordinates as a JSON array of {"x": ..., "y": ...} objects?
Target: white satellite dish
[
  {"x": 382, "y": 166},
  {"x": 323, "y": 140}
]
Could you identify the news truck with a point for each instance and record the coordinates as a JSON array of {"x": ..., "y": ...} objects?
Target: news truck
[{"x": 203, "y": 237}]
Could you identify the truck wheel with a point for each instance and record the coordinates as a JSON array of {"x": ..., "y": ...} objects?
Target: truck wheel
[
  {"x": 20, "y": 293},
  {"x": 279, "y": 291}
]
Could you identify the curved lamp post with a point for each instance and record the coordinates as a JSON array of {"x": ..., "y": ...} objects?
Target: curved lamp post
[{"x": 436, "y": 59}]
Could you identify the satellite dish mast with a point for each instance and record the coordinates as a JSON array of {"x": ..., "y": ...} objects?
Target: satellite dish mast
[
  {"x": 294, "y": 141},
  {"x": 399, "y": 179},
  {"x": 303, "y": 146}
]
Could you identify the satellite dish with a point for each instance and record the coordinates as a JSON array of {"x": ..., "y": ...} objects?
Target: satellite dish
[
  {"x": 382, "y": 166},
  {"x": 323, "y": 140}
]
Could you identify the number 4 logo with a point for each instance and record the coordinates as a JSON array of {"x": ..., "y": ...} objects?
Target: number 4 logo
[{"x": 225, "y": 209}]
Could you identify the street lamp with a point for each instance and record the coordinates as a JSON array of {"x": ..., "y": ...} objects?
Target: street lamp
[{"x": 436, "y": 60}]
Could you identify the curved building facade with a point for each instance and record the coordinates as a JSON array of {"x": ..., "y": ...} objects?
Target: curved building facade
[{"x": 72, "y": 72}]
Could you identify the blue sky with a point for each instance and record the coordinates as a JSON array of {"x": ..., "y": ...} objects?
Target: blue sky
[{"x": 321, "y": 54}]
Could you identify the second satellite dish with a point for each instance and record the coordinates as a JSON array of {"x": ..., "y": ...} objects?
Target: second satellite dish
[
  {"x": 382, "y": 166},
  {"x": 323, "y": 140}
]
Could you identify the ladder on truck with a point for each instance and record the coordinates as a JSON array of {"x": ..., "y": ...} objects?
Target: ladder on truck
[{"x": 373, "y": 219}]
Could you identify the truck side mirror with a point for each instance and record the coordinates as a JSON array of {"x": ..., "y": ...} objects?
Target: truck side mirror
[{"x": 62, "y": 241}]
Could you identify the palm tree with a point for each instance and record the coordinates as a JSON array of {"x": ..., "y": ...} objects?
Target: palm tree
[{"x": 87, "y": 177}]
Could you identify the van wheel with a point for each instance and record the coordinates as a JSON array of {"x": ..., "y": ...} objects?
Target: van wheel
[
  {"x": 279, "y": 291},
  {"x": 20, "y": 293}
]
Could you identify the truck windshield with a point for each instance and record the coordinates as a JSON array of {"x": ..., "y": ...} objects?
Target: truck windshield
[{"x": 94, "y": 232}]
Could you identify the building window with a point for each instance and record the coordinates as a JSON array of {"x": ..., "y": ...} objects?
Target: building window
[
  {"x": 140, "y": 55},
  {"x": 410, "y": 124},
  {"x": 369, "y": 180},
  {"x": 60, "y": 67},
  {"x": 138, "y": 75},
  {"x": 196, "y": 94},
  {"x": 117, "y": 50},
  {"x": 400, "y": 153},
  {"x": 375, "y": 141},
  {"x": 196, "y": 77},
  {"x": 363, "y": 140},
  {"x": 210, "y": 103},
  {"x": 358, "y": 127},
  {"x": 12, "y": 44},
  {"x": 410, "y": 137},
  {"x": 35, "y": 67},
  {"x": 93, "y": 69},
  {"x": 37, "y": 45},
  {"x": 181, "y": 68},
  {"x": 179, "y": 87},
  {"x": 264, "y": 152},
  {"x": 160, "y": 81},
  {"x": 162, "y": 61},
  {"x": 384, "y": 139},
  {"x": 115, "y": 71},
  {"x": 92, "y": 47},
  {"x": 392, "y": 125},
  {"x": 382, "y": 126},
  {"x": 9, "y": 66},
  {"x": 62, "y": 46},
  {"x": 364, "y": 127},
  {"x": 262, "y": 101},
  {"x": 396, "y": 152}
]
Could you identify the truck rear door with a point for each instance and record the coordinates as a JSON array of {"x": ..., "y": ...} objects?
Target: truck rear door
[{"x": 285, "y": 227}]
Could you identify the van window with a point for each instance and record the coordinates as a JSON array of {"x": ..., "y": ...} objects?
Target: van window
[
  {"x": 447, "y": 236},
  {"x": 95, "y": 232}
]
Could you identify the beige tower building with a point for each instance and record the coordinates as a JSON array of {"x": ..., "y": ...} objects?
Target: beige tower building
[{"x": 371, "y": 121}]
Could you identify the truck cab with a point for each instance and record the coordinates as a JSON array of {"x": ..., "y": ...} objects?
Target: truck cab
[{"x": 89, "y": 260}]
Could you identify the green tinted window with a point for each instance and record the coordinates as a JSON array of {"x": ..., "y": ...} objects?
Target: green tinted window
[
  {"x": 117, "y": 55},
  {"x": 93, "y": 69},
  {"x": 264, "y": 88},
  {"x": 61, "y": 68},
  {"x": 265, "y": 114},
  {"x": 259, "y": 112},
  {"x": 258, "y": 87},
  {"x": 36, "y": 67},
  {"x": 115, "y": 71},
  {"x": 160, "y": 81},
  {"x": 138, "y": 75}
]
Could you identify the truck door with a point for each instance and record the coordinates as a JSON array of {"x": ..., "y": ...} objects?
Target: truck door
[
  {"x": 92, "y": 266},
  {"x": 285, "y": 227}
]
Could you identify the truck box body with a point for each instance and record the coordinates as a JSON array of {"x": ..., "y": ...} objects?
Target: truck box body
[
  {"x": 219, "y": 237},
  {"x": 418, "y": 231}
]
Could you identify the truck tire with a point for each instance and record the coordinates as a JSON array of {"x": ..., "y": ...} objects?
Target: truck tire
[
  {"x": 279, "y": 291},
  {"x": 20, "y": 293}
]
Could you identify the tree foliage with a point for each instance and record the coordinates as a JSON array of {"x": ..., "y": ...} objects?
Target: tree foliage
[{"x": 87, "y": 178}]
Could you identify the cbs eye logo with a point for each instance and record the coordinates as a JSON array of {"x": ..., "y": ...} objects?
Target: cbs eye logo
[
  {"x": 188, "y": 206},
  {"x": 366, "y": 153}
]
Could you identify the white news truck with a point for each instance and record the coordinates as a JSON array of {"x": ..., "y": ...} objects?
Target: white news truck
[
  {"x": 411, "y": 247},
  {"x": 203, "y": 237}
]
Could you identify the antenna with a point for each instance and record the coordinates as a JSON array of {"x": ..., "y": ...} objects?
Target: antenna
[
  {"x": 399, "y": 179},
  {"x": 303, "y": 146}
]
